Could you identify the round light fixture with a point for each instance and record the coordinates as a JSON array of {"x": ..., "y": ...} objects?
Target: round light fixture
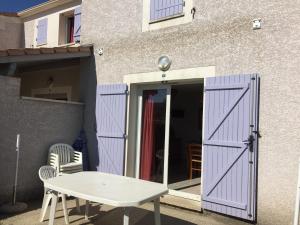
[{"x": 164, "y": 63}]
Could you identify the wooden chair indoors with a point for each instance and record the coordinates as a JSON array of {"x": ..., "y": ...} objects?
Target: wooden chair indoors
[{"x": 194, "y": 158}]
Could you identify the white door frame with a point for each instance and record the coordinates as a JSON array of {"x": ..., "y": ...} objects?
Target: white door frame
[
  {"x": 139, "y": 128},
  {"x": 190, "y": 75}
]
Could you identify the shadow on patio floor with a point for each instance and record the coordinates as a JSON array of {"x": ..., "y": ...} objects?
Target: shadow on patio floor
[{"x": 106, "y": 215}]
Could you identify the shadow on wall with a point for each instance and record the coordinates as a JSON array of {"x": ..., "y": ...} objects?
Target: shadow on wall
[
  {"x": 88, "y": 86},
  {"x": 40, "y": 125}
]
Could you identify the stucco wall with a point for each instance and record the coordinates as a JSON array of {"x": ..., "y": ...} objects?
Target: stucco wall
[
  {"x": 11, "y": 32},
  {"x": 40, "y": 125},
  {"x": 221, "y": 35},
  {"x": 53, "y": 15}
]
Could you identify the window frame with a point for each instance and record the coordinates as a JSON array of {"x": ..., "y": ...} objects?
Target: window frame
[
  {"x": 63, "y": 31},
  {"x": 182, "y": 18}
]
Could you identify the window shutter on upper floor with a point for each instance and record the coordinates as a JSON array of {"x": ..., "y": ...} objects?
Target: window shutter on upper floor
[
  {"x": 42, "y": 29},
  {"x": 162, "y": 9},
  {"x": 77, "y": 24}
]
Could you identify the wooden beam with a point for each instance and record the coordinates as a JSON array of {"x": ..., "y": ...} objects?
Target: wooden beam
[{"x": 43, "y": 57}]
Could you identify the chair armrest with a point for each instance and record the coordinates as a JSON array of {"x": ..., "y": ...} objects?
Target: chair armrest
[
  {"x": 78, "y": 157},
  {"x": 54, "y": 161}
]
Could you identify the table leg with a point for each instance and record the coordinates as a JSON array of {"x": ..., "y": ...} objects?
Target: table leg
[
  {"x": 77, "y": 205},
  {"x": 87, "y": 207},
  {"x": 65, "y": 209},
  {"x": 126, "y": 216},
  {"x": 157, "y": 211},
  {"x": 53, "y": 207}
]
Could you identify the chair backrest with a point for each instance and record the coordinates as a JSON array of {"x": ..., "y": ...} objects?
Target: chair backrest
[
  {"x": 65, "y": 152},
  {"x": 194, "y": 151},
  {"x": 46, "y": 172}
]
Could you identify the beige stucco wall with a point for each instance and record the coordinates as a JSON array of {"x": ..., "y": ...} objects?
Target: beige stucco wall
[
  {"x": 53, "y": 15},
  {"x": 221, "y": 35},
  {"x": 11, "y": 32},
  {"x": 62, "y": 77}
]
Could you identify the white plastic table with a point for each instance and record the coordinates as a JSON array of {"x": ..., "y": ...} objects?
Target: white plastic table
[{"x": 109, "y": 189}]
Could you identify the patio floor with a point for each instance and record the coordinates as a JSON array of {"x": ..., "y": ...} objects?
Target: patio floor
[{"x": 113, "y": 216}]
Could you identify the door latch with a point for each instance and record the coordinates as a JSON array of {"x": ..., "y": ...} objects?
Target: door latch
[{"x": 249, "y": 142}]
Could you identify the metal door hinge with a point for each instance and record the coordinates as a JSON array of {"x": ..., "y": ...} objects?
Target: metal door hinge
[{"x": 257, "y": 133}]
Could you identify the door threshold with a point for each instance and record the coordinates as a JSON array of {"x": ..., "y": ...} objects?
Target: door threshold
[
  {"x": 185, "y": 195},
  {"x": 180, "y": 202}
]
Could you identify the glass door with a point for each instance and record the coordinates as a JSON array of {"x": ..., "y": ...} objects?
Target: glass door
[{"x": 153, "y": 133}]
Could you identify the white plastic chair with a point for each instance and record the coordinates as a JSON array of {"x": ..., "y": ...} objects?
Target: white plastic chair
[
  {"x": 45, "y": 173},
  {"x": 65, "y": 159}
]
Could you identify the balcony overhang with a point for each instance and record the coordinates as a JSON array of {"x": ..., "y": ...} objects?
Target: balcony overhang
[{"x": 43, "y": 54}]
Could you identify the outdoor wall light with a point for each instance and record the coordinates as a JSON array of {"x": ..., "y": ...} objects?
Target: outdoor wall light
[{"x": 164, "y": 63}]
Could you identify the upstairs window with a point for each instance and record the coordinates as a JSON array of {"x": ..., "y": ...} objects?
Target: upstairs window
[
  {"x": 165, "y": 13},
  {"x": 70, "y": 27}
]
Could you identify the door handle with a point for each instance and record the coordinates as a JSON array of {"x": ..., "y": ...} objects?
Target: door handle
[{"x": 249, "y": 142}]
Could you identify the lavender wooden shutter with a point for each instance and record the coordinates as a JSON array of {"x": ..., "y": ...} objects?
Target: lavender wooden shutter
[
  {"x": 162, "y": 9},
  {"x": 111, "y": 119},
  {"x": 77, "y": 24},
  {"x": 42, "y": 29},
  {"x": 230, "y": 145}
]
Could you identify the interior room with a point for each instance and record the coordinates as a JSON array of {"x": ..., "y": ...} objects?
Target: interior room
[{"x": 184, "y": 173}]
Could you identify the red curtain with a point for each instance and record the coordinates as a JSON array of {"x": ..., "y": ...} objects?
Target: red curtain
[
  {"x": 71, "y": 30},
  {"x": 147, "y": 145}
]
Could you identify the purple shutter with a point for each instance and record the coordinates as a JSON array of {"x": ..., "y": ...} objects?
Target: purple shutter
[
  {"x": 111, "y": 118},
  {"x": 42, "y": 29},
  {"x": 77, "y": 24},
  {"x": 161, "y": 9},
  {"x": 229, "y": 160}
]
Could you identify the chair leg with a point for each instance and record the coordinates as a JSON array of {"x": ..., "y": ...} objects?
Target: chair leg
[
  {"x": 87, "y": 207},
  {"x": 64, "y": 203},
  {"x": 46, "y": 201},
  {"x": 54, "y": 197},
  {"x": 77, "y": 205},
  {"x": 191, "y": 173}
]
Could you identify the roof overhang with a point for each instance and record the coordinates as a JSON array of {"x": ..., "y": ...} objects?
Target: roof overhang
[
  {"x": 42, "y": 54},
  {"x": 42, "y": 7}
]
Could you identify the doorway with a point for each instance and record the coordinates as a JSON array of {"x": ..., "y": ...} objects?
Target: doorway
[
  {"x": 185, "y": 139},
  {"x": 169, "y": 124}
]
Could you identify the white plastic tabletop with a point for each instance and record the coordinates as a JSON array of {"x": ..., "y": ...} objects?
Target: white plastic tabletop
[{"x": 114, "y": 190}]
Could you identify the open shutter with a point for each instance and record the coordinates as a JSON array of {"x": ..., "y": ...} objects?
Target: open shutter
[
  {"x": 42, "y": 29},
  {"x": 163, "y": 9},
  {"x": 77, "y": 24},
  {"x": 230, "y": 145},
  {"x": 111, "y": 118}
]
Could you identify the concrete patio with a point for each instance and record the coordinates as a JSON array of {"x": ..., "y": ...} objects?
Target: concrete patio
[{"x": 113, "y": 216}]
